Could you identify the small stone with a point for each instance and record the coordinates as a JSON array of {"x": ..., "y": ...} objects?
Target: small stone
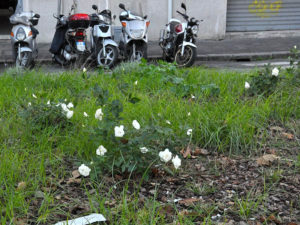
[{"x": 39, "y": 194}]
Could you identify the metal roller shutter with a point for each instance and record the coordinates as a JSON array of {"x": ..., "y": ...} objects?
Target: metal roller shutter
[{"x": 263, "y": 15}]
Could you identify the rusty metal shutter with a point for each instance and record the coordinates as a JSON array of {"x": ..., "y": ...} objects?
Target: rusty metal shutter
[{"x": 263, "y": 15}]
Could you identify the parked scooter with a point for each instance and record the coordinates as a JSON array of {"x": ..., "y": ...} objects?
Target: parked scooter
[
  {"x": 103, "y": 47},
  {"x": 69, "y": 42},
  {"x": 23, "y": 38},
  {"x": 134, "y": 36},
  {"x": 178, "y": 40}
]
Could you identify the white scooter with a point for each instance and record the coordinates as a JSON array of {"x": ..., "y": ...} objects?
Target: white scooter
[
  {"x": 23, "y": 38},
  {"x": 103, "y": 47},
  {"x": 134, "y": 36}
]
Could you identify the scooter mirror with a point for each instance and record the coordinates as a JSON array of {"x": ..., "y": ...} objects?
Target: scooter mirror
[
  {"x": 145, "y": 17},
  {"x": 37, "y": 16},
  {"x": 183, "y": 6},
  {"x": 95, "y": 7},
  {"x": 114, "y": 16},
  {"x": 122, "y": 6},
  {"x": 11, "y": 9}
]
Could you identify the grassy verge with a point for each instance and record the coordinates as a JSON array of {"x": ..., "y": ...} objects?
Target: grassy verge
[{"x": 36, "y": 162}]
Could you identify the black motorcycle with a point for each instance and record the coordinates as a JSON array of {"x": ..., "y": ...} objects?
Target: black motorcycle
[
  {"x": 69, "y": 42},
  {"x": 178, "y": 40}
]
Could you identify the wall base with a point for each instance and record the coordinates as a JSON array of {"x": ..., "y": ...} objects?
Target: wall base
[{"x": 263, "y": 34}]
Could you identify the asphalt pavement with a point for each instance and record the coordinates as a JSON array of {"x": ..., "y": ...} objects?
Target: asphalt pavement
[
  {"x": 208, "y": 50},
  {"x": 230, "y": 53}
]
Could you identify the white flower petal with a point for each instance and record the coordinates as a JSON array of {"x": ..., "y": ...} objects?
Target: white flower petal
[
  {"x": 84, "y": 170},
  {"x": 101, "y": 150},
  {"x": 119, "y": 131},
  {"x": 275, "y": 72},
  {"x": 144, "y": 150},
  {"x": 165, "y": 155},
  {"x": 85, "y": 114},
  {"x": 99, "y": 114},
  {"x": 247, "y": 85},
  {"x": 189, "y": 132},
  {"x": 176, "y": 162},
  {"x": 136, "y": 124},
  {"x": 70, "y": 114},
  {"x": 70, "y": 105},
  {"x": 168, "y": 122},
  {"x": 33, "y": 95}
]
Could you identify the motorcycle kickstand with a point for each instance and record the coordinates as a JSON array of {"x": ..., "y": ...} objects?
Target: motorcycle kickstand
[{"x": 133, "y": 49}]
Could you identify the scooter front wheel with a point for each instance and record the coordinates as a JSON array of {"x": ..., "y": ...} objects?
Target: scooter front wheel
[
  {"x": 140, "y": 52},
  {"x": 24, "y": 60},
  {"x": 110, "y": 57},
  {"x": 188, "y": 58}
]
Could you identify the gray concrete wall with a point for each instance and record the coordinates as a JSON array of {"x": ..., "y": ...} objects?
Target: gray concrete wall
[{"x": 213, "y": 12}]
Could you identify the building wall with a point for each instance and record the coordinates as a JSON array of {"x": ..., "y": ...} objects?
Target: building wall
[{"x": 213, "y": 12}]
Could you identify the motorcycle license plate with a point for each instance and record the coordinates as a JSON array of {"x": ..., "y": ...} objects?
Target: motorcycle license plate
[{"x": 80, "y": 46}]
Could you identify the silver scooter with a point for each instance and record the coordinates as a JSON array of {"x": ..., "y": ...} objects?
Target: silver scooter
[
  {"x": 134, "y": 36},
  {"x": 103, "y": 47},
  {"x": 23, "y": 38}
]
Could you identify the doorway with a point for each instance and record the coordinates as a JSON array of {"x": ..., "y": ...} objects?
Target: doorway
[{"x": 5, "y": 13}]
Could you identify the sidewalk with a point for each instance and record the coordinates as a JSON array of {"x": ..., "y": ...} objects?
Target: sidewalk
[{"x": 244, "y": 49}]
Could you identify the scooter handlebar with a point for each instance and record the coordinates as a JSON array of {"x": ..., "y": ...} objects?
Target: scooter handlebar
[{"x": 184, "y": 15}]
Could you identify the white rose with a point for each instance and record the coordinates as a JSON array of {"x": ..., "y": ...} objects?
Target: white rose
[
  {"x": 275, "y": 72},
  {"x": 136, "y": 124},
  {"x": 119, "y": 131},
  {"x": 247, "y": 85},
  {"x": 165, "y": 155},
  {"x": 189, "y": 132},
  {"x": 70, "y": 105},
  {"x": 99, "y": 114},
  {"x": 84, "y": 170},
  {"x": 144, "y": 150},
  {"x": 64, "y": 107},
  {"x": 101, "y": 150},
  {"x": 84, "y": 70},
  {"x": 176, "y": 162},
  {"x": 70, "y": 114}
]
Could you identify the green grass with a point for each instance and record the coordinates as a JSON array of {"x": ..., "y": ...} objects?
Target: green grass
[{"x": 223, "y": 119}]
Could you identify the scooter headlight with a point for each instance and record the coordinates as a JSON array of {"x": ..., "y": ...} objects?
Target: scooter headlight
[
  {"x": 21, "y": 35},
  {"x": 107, "y": 20},
  {"x": 137, "y": 33},
  {"x": 195, "y": 29}
]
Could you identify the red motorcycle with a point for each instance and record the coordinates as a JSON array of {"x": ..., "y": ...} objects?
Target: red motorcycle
[{"x": 69, "y": 42}]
